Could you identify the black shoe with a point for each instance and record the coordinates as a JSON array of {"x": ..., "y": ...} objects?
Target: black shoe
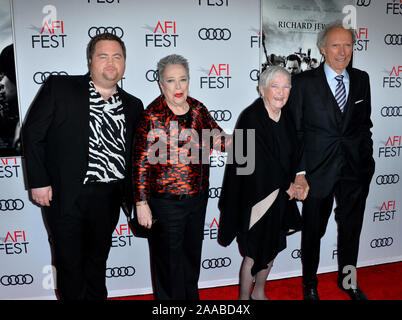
[
  {"x": 354, "y": 293},
  {"x": 310, "y": 293}
]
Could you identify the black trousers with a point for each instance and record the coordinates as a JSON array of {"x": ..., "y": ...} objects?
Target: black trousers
[
  {"x": 81, "y": 240},
  {"x": 176, "y": 244},
  {"x": 350, "y": 199}
]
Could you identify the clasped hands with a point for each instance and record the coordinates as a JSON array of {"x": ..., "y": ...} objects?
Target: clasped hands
[{"x": 299, "y": 189}]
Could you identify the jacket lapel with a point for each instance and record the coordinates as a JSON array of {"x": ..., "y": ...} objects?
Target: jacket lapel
[
  {"x": 326, "y": 96},
  {"x": 82, "y": 110},
  {"x": 129, "y": 121},
  {"x": 266, "y": 126},
  {"x": 350, "y": 102}
]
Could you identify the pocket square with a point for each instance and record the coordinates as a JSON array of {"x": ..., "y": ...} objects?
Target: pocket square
[{"x": 359, "y": 101}]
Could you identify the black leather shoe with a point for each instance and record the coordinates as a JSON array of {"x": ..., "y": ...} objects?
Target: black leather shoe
[
  {"x": 310, "y": 293},
  {"x": 354, "y": 293}
]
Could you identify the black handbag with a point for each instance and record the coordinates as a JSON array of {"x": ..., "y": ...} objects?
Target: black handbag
[{"x": 135, "y": 227}]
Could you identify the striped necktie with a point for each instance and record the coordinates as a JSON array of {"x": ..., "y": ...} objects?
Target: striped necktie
[{"x": 340, "y": 92}]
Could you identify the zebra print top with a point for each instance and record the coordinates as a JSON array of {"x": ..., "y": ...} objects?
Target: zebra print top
[{"x": 107, "y": 135}]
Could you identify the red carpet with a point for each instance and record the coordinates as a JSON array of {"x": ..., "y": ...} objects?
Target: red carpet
[{"x": 381, "y": 282}]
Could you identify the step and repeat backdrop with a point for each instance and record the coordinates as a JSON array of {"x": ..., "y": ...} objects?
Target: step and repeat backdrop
[{"x": 227, "y": 42}]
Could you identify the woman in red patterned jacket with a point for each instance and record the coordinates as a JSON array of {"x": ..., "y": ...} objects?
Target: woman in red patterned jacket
[{"x": 171, "y": 180}]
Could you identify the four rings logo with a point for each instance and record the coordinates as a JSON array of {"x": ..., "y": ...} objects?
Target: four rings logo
[
  {"x": 40, "y": 77},
  {"x": 14, "y": 280},
  {"x": 11, "y": 205},
  {"x": 254, "y": 74},
  {"x": 296, "y": 254},
  {"x": 214, "y": 193},
  {"x": 221, "y": 115},
  {"x": 363, "y": 3},
  {"x": 387, "y": 179},
  {"x": 214, "y": 34},
  {"x": 94, "y": 31},
  {"x": 216, "y": 263},
  {"x": 391, "y": 111},
  {"x": 383, "y": 242},
  {"x": 120, "y": 272},
  {"x": 152, "y": 75},
  {"x": 393, "y": 39}
]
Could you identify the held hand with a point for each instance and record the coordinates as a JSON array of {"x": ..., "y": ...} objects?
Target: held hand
[
  {"x": 144, "y": 216},
  {"x": 302, "y": 187},
  {"x": 291, "y": 191},
  {"x": 42, "y": 196}
]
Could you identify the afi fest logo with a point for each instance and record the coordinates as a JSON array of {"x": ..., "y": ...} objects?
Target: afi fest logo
[
  {"x": 51, "y": 33},
  {"x": 104, "y": 1},
  {"x": 122, "y": 236},
  {"x": 217, "y": 159},
  {"x": 361, "y": 39},
  {"x": 386, "y": 212},
  {"x": 213, "y": 3},
  {"x": 163, "y": 35},
  {"x": 392, "y": 147},
  {"x": 9, "y": 168},
  {"x": 14, "y": 242},
  {"x": 394, "y": 79},
  {"x": 255, "y": 39},
  {"x": 394, "y": 7},
  {"x": 218, "y": 77},
  {"x": 211, "y": 230}
]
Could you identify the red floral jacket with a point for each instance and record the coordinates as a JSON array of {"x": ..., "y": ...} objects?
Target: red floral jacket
[{"x": 170, "y": 154}]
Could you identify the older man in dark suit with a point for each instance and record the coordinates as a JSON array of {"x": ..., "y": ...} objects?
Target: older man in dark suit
[
  {"x": 331, "y": 107},
  {"x": 77, "y": 140}
]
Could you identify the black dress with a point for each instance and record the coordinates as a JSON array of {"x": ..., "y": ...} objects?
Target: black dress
[{"x": 276, "y": 154}]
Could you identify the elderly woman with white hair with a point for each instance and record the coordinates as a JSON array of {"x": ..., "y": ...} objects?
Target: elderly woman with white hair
[{"x": 260, "y": 208}]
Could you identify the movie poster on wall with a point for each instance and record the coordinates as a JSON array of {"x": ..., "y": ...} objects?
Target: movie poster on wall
[
  {"x": 289, "y": 31},
  {"x": 10, "y": 144}
]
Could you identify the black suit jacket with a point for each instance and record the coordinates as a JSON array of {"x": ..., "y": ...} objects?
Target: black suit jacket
[
  {"x": 56, "y": 138},
  {"x": 241, "y": 192},
  {"x": 335, "y": 144}
]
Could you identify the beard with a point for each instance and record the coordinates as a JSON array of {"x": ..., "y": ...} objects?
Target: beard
[{"x": 111, "y": 76}]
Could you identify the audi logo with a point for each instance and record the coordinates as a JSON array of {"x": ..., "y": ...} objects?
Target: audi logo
[
  {"x": 40, "y": 77},
  {"x": 391, "y": 111},
  {"x": 387, "y": 179},
  {"x": 14, "y": 280},
  {"x": 296, "y": 254},
  {"x": 363, "y": 3},
  {"x": 216, "y": 263},
  {"x": 120, "y": 272},
  {"x": 152, "y": 75},
  {"x": 254, "y": 74},
  {"x": 383, "y": 242},
  {"x": 221, "y": 115},
  {"x": 214, "y": 34},
  {"x": 94, "y": 31},
  {"x": 11, "y": 205},
  {"x": 214, "y": 193},
  {"x": 393, "y": 39}
]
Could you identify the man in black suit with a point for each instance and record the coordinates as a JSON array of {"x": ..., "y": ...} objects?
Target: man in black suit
[
  {"x": 78, "y": 139},
  {"x": 331, "y": 107}
]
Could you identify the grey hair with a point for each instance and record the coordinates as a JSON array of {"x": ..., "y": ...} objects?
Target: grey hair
[
  {"x": 270, "y": 73},
  {"x": 322, "y": 36},
  {"x": 170, "y": 60}
]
